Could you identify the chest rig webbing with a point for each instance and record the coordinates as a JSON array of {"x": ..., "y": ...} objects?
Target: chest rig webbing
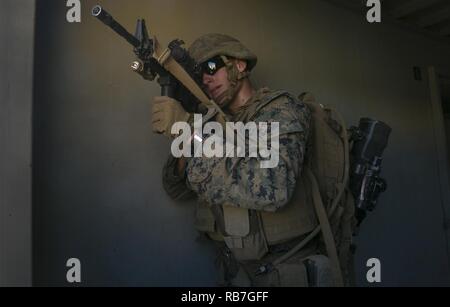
[{"x": 249, "y": 233}]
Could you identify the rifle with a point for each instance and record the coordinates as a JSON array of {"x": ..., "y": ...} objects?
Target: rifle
[{"x": 178, "y": 74}]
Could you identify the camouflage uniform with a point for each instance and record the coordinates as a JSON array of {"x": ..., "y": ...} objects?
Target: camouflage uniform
[
  {"x": 242, "y": 183},
  {"x": 255, "y": 215}
]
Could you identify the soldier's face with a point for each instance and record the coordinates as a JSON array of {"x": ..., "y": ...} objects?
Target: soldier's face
[{"x": 216, "y": 85}]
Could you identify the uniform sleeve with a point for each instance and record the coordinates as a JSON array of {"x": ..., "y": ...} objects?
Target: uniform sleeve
[
  {"x": 174, "y": 184},
  {"x": 241, "y": 182}
]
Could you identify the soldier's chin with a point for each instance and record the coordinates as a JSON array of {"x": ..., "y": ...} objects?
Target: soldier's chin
[{"x": 222, "y": 100}]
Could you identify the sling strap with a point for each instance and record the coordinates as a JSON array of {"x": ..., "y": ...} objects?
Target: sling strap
[{"x": 164, "y": 58}]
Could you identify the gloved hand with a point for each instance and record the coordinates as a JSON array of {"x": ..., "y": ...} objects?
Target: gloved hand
[{"x": 165, "y": 112}]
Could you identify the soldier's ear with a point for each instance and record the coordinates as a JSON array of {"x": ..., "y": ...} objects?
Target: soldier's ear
[{"x": 241, "y": 65}]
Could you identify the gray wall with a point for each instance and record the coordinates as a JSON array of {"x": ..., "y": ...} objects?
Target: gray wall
[
  {"x": 97, "y": 166},
  {"x": 16, "y": 62}
]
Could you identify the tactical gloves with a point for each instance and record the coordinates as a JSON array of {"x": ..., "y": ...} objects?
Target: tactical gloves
[{"x": 165, "y": 112}]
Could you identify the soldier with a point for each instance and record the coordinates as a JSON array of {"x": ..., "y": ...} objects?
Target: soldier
[{"x": 255, "y": 215}]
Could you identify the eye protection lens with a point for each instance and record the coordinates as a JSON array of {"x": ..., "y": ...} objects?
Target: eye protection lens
[{"x": 211, "y": 66}]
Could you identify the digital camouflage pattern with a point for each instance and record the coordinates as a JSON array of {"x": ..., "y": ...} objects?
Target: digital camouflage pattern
[
  {"x": 241, "y": 182},
  {"x": 256, "y": 214}
]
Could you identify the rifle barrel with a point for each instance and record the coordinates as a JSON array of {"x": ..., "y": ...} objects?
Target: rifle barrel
[{"x": 107, "y": 19}]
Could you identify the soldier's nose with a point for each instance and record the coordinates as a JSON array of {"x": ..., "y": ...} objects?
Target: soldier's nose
[{"x": 207, "y": 79}]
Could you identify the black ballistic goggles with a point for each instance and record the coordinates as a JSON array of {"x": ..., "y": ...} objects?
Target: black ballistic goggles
[{"x": 211, "y": 66}]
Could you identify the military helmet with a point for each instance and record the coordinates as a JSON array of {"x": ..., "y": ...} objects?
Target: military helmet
[{"x": 214, "y": 44}]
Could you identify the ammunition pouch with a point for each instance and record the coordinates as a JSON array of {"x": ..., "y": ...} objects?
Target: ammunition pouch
[{"x": 244, "y": 234}]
